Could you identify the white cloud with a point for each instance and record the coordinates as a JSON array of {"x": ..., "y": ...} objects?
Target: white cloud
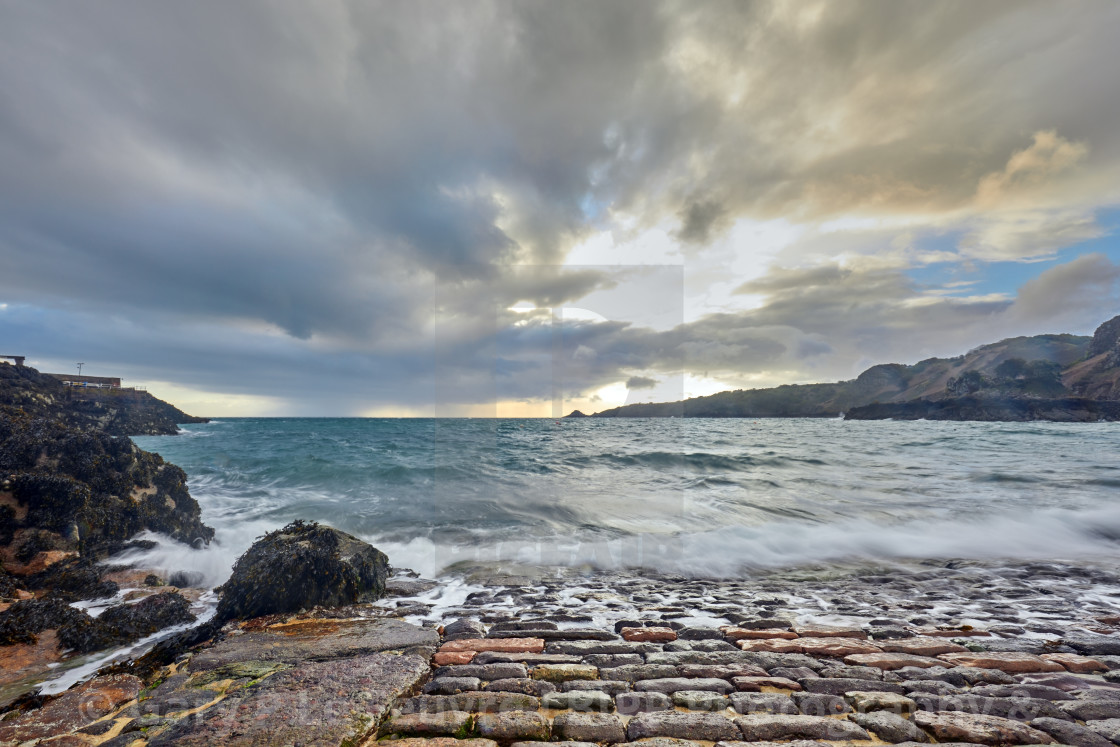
[{"x": 1032, "y": 169}]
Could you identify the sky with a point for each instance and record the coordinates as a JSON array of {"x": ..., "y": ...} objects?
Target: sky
[{"x": 521, "y": 207}]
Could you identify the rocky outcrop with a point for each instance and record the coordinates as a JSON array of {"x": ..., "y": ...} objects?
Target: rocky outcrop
[
  {"x": 294, "y": 680},
  {"x": 1106, "y": 339},
  {"x": 118, "y": 412},
  {"x": 1098, "y": 376},
  {"x": 77, "y": 631},
  {"x": 66, "y": 490},
  {"x": 74, "y": 489},
  {"x": 302, "y": 566}
]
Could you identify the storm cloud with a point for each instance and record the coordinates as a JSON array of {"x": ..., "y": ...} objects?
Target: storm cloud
[{"x": 333, "y": 208}]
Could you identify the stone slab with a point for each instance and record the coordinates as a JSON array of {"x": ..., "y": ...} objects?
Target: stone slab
[
  {"x": 706, "y": 726},
  {"x": 673, "y": 684},
  {"x": 921, "y": 646},
  {"x": 513, "y": 725},
  {"x": 1070, "y": 733},
  {"x": 498, "y": 645},
  {"x": 589, "y": 727},
  {"x": 480, "y": 702},
  {"x": 323, "y": 703},
  {"x": 890, "y": 727},
  {"x": 319, "y": 640},
  {"x": 760, "y": 727},
  {"x": 891, "y": 662},
  {"x": 978, "y": 729},
  {"x": 1005, "y": 661}
]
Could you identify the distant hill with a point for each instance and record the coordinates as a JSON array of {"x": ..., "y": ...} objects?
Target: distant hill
[
  {"x": 117, "y": 412},
  {"x": 1059, "y": 368}
]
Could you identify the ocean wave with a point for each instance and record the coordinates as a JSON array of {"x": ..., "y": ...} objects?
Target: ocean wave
[
  {"x": 695, "y": 461},
  {"x": 1005, "y": 477},
  {"x": 713, "y": 494},
  {"x": 732, "y": 550}
]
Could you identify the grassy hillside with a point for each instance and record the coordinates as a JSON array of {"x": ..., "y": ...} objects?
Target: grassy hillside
[{"x": 1041, "y": 366}]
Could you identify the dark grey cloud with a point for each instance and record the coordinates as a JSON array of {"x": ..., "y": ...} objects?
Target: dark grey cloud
[
  {"x": 302, "y": 169},
  {"x": 640, "y": 382}
]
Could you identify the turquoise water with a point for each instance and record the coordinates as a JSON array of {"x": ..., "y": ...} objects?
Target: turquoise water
[{"x": 703, "y": 497}]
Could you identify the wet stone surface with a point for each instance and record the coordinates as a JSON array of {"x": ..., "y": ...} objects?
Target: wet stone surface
[
  {"x": 725, "y": 675},
  {"x": 906, "y": 659}
]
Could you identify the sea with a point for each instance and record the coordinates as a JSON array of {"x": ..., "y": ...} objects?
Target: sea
[
  {"x": 700, "y": 497},
  {"x": 727, "y": 499}
]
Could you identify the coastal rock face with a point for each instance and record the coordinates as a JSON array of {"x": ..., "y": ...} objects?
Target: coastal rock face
[
  {"x": 1106, "y": 339},
  {"x": 302, "y": 566},
  {"x": 1098, "y": 376},
  {"x": 68, "y": 491},
  {"x": 74, "y": 489},
  {"x": 118, "y": 412}
]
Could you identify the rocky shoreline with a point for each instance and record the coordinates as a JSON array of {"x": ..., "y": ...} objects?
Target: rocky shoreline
[
  {"x": 75, "y": 490},
  {"x": 936, "y": 652},
  {"x": 993, "y": 409}
]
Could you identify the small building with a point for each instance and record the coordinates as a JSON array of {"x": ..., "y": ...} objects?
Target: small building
[{"x": 97, "y": 382}]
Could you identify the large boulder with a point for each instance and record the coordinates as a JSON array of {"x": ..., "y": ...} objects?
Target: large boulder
[{"x": 303, "y": 565}]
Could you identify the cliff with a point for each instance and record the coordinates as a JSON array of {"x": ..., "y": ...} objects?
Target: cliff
[
  {"x": 1065, "y": 370},
  {"x": 73, "y": 490},
  {"x": 118, "y": 412},
  {"x": 71, "y": 482}
]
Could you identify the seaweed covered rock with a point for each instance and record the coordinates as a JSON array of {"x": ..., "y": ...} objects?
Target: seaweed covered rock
[
  {"x": 129, "y": 622},
  {"x": 301, "y": 566},
  {"x": 24, "y": 620},
  {"x": 7, "y": 586},
  {"x": 65, "y": 490},
  {"x": 73, "y": 580},
  {"x": 81, "y": 633}
]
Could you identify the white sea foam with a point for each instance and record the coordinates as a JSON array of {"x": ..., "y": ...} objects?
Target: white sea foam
[
  {"x": 1046, "y": 534},
  {"x": 214, "y": 561}
]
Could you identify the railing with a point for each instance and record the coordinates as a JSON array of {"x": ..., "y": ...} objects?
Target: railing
[{"x": 92, "y": 385}]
